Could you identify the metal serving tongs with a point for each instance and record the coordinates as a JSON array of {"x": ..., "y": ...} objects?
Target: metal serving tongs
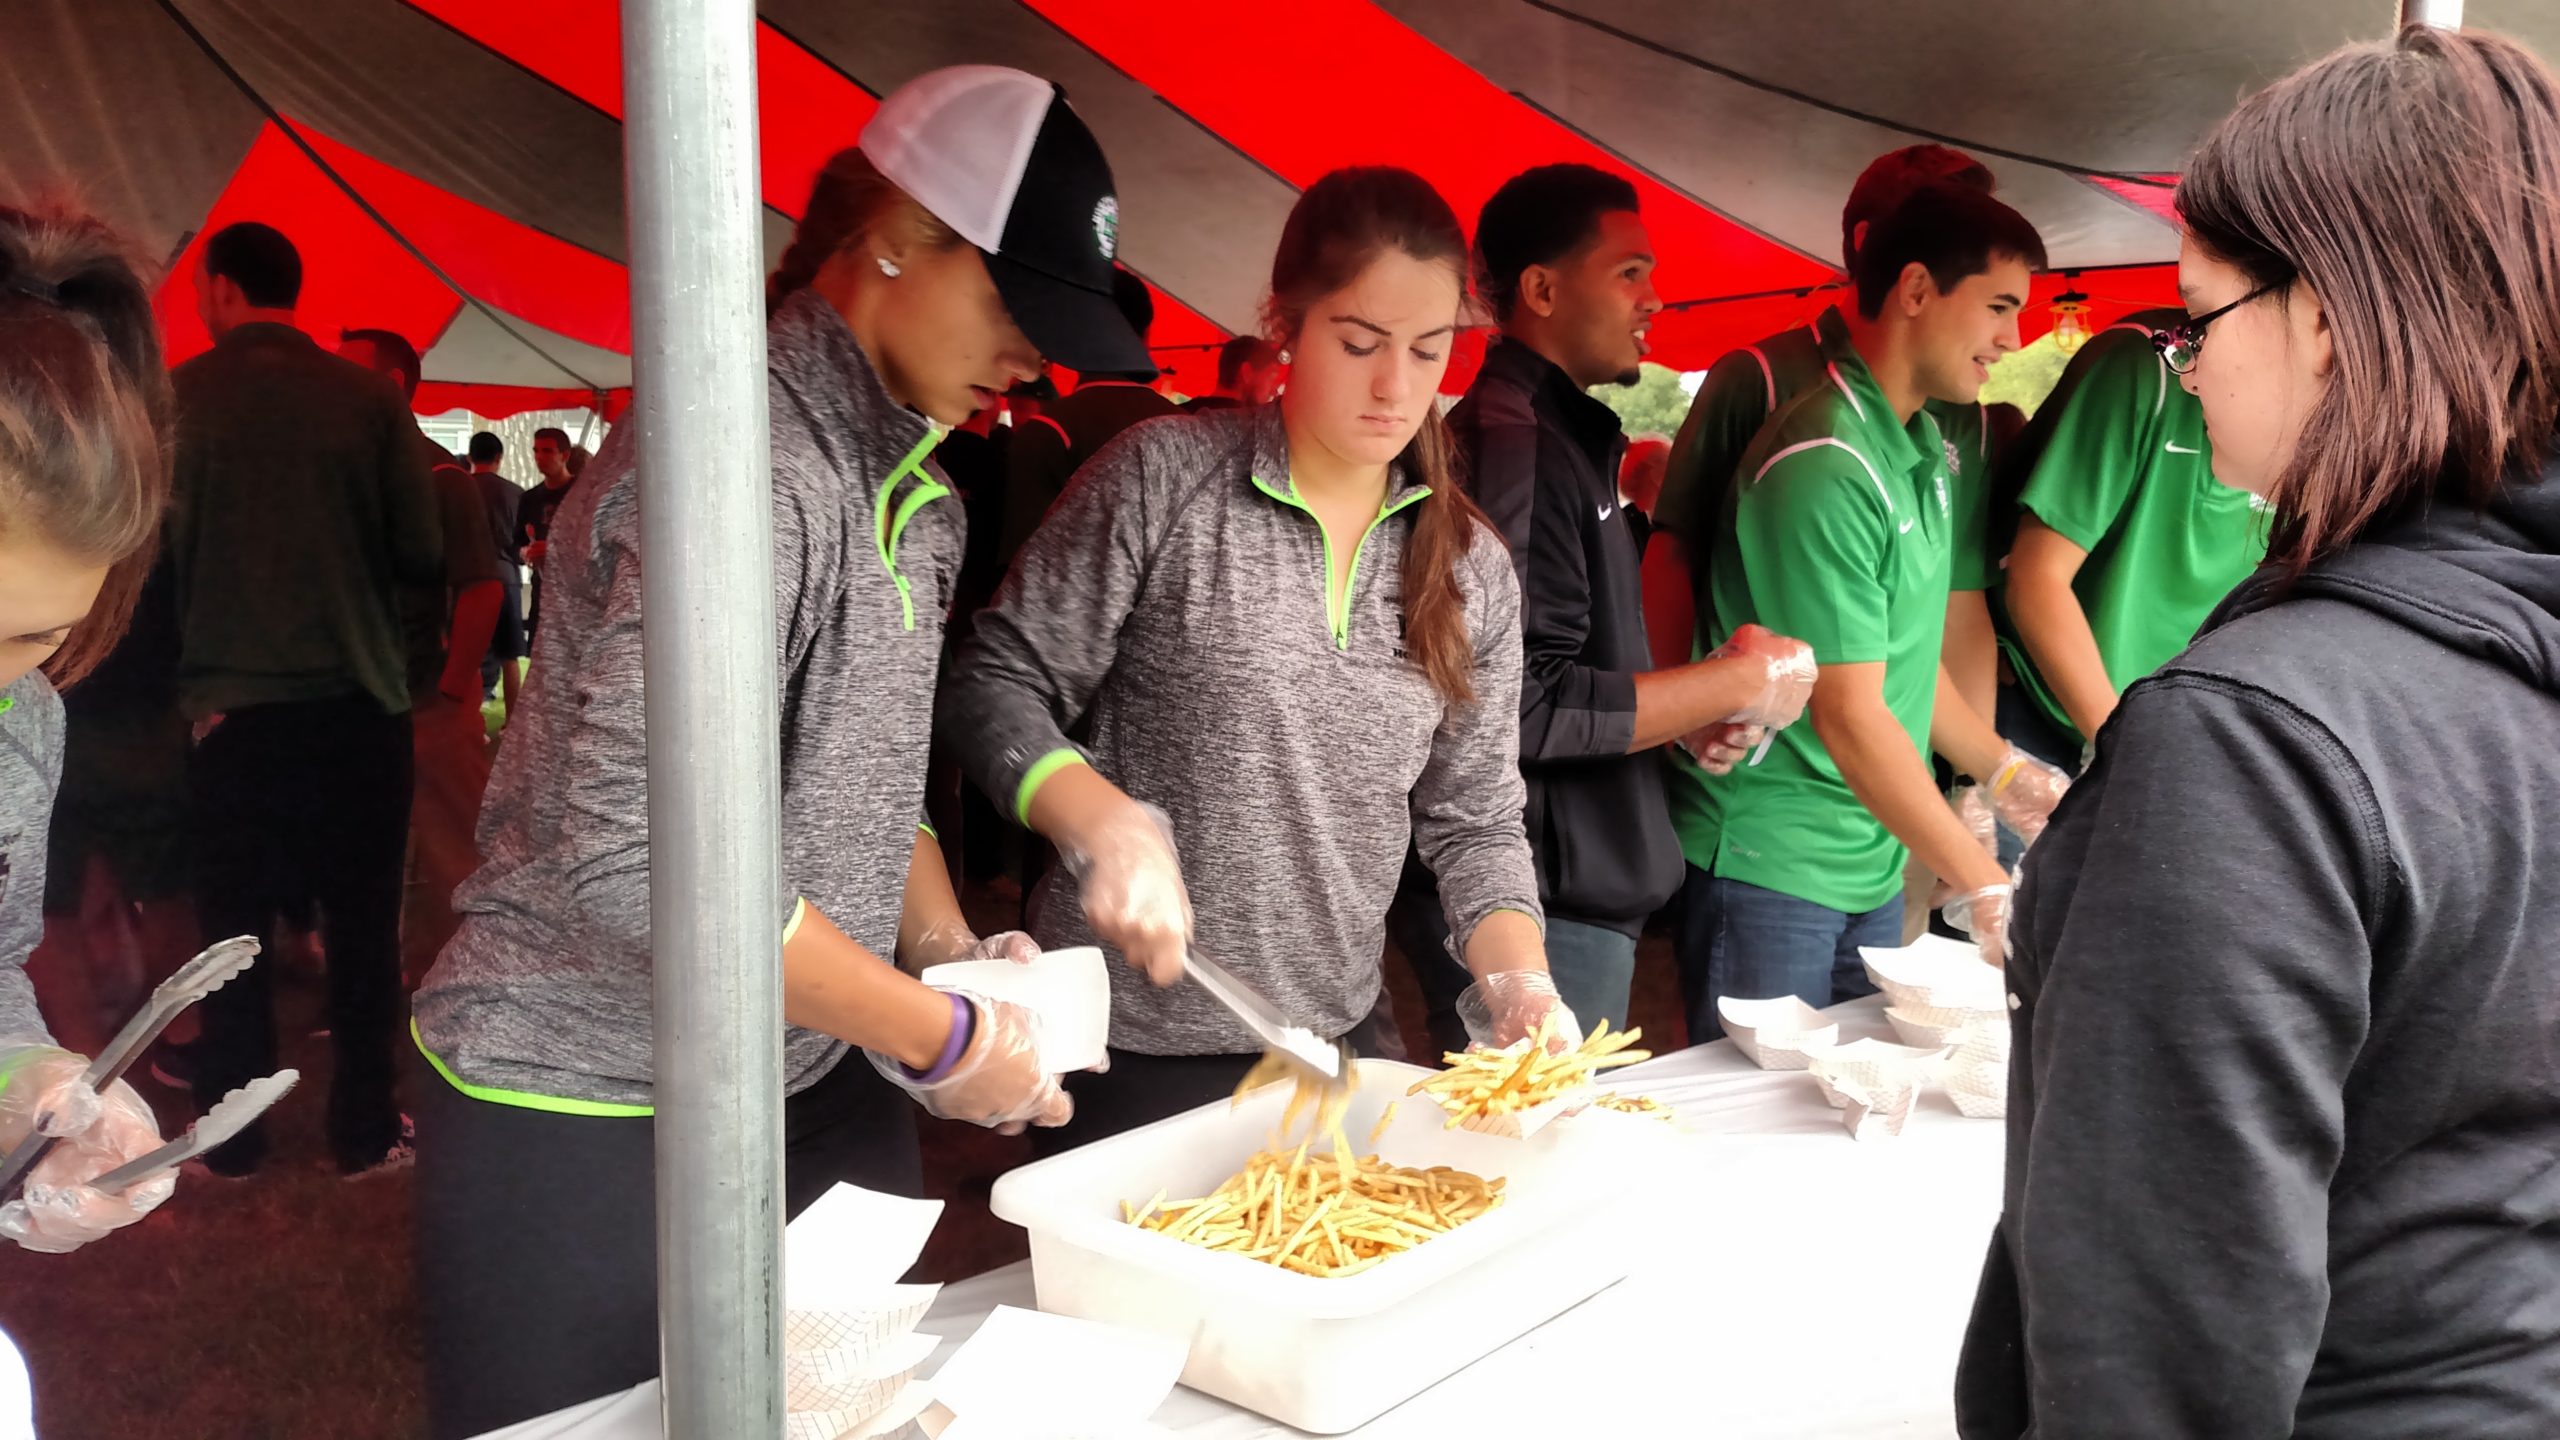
[
  {"x": 196, "y": 979},
  {"x": 227, "y": 1118},
  {"x": 1327, "y": 1060}
]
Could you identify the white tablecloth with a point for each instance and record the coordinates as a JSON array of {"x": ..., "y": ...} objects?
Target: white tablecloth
[{"x": 1816, "y": 1289}]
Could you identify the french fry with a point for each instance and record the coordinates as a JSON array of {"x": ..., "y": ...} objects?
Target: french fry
[
  {"x": 1481, "y": 1083},
  {"x": 1634, "y": 1105},
  {"x": 1309, "y": 1205}
]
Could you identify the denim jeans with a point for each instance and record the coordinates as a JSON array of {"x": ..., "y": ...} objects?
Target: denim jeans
[
  {"x": 1757, "y": 944},
  {"x": 1593, "y": 968}
]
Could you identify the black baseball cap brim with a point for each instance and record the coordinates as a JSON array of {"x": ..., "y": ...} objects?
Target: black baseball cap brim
[{"x": 1072, "y": 325}]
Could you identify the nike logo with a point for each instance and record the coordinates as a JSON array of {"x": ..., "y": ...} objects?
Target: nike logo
[
  {"x": 1608, "y": 510},
  {"x": 1907, "y": 524},
  {"x": 2177, "y": 449}
]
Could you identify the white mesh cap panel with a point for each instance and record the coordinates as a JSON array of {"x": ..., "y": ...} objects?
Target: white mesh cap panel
[{"x": 957, "y": 139}]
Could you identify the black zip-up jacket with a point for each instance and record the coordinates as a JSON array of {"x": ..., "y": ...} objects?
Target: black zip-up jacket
[
  {"x": 1541, "y": 457},
  {"x": 2284, "y": 1102}
]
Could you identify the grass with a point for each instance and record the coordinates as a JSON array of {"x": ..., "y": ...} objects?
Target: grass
[{"x": 283, "y": 1307}]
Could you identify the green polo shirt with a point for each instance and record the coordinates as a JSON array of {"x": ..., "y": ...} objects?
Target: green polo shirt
[
  {"x": 1837, "y": 534},
  {"x": 2117, "y": 463},
  {"x": 1741, "y": 391}
]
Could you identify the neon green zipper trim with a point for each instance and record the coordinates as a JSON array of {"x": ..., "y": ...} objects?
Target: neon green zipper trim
[
  {"x": 525, "y": 1099},
  {"x": 1337, "y": 606},
  {"x": 888, "y": 526},
  {"x": 1342, "y": 630}
]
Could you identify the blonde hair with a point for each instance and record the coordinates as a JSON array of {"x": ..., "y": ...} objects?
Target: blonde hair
[
  {"x": 849, "y": 203},
  {"x": 84, "y": 411}
]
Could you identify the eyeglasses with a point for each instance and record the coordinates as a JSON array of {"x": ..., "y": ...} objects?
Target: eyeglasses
[{"x": 2180, "y": 345}]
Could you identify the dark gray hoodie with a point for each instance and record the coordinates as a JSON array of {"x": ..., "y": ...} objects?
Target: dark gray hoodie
[
  {"x": 2284, "y": 1124},
  {"x": 544, "y": 993}
]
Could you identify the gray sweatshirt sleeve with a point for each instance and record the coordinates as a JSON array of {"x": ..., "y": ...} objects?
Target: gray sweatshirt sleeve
[
  {"x": 1467, "y": 805},
  {"x": 1039, "y": 652},
  {"x": 30, "y": 772}
]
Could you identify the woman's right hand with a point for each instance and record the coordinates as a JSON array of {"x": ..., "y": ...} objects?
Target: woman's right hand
[
  {"x": 997, "y": 1081},
  {"x": 1131, "y": 882}
]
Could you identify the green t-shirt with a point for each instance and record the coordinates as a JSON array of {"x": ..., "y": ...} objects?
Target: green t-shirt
[
  {"x": 1741, "y": 391},
  {"x": 1837, "y": 534},
  {"x": 2117, "y": 463}
]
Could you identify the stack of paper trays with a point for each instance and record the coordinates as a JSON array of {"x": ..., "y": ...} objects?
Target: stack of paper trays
[{"x": 850, "y": 1343}]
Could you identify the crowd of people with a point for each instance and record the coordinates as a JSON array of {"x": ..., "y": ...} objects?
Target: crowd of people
[{"x": 2213, "y": 704}]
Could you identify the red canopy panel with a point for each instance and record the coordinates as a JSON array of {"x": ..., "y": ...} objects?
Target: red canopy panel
[
  {"x": 1419, "y": 108},
  {"x": 354, "y": 275},
  {"x": 807, "y": 112},
  {"x": 513, "y": 267},
  {"x": 2159, "y": 199}
]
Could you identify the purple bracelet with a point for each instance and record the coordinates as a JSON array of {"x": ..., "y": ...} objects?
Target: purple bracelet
[{"x": 964, "y": 1021}]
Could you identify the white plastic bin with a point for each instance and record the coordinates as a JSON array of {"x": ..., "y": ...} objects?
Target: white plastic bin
[{"x": 1586, "y": 1198}]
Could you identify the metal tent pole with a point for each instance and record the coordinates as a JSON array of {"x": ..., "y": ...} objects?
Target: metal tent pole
[
  {"x": 2443, "y": 14},
  {"x": 697, "y": 330}
]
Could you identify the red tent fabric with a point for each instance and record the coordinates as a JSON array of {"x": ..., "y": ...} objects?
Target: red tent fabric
[{"x": 486, "y": 134}]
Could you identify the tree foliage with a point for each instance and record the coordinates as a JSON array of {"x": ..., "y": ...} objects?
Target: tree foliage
[{"x": 1653, "y": 405}]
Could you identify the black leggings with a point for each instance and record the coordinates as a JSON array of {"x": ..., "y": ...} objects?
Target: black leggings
[
  {"x": 1142, "y": 1089},
  {"x": 537, "y": 1236}
]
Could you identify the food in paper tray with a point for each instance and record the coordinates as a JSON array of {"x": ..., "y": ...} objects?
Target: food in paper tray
[
  {"x": 1320, "y": 1211},
  {"x": 1483, "y": 1083}
]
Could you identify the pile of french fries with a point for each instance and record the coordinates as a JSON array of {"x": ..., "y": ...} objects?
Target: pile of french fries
[
  {"x": 1316, "y": 1208},
  {"x": 1633, "y": 1104},
  {"x": 1479, "y": 1083}
]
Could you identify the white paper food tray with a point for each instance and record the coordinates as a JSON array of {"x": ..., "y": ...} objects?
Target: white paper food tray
[
  {"x": 1585, "y": 1199},
  {"x": 1780, "y": 1034}
]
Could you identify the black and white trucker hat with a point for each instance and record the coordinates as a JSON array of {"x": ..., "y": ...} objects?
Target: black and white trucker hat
[{"x": 997, "y": 155}]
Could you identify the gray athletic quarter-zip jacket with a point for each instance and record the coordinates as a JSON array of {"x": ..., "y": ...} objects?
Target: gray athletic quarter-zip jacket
[
  {"x": 1180, "y": 595},
  {"x": 544, "y": 994}
]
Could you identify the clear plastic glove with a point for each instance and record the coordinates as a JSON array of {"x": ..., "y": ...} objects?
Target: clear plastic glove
[
  {"x": 1011, "y": 945},
  {"x": 1507, "y": 1006},
  {"x": 1788, "y": 681},
  {"x": 2024, "y": 791},
  {"x": 1131, "y": 881},
  {"x": 1984, "y": 915},
  {"x": 1976, "y": 814},
  {"x": 57, "y": 1211},
  {"x": 997, "y": 1080},
  {"x": 949, "y": 941},
  {"x": 1718, "y": 748}
]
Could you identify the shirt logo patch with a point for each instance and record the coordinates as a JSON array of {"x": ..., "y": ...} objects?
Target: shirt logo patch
[
  {"x": 1955, "y": 460},
  {"x": 2177, "y": 449},
  {"x": 1943, "y": 507}
]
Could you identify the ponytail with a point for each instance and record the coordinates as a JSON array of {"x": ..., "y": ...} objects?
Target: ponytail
[
  {"x": 84, "y": 412},
  {"x": 1445, "y": 526},
  {"x": 850, "y": 201}
]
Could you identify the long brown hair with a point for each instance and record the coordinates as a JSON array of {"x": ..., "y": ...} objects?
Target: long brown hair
[
  {"x": 2414, "y": 185},
  {"x": 1342, "y": 222},
  {"x": 850, "y": 200},
  {"x": 84, "y": 412}
]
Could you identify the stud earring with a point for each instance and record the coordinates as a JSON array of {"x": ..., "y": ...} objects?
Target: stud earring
[{"x": 888, "y": 267}]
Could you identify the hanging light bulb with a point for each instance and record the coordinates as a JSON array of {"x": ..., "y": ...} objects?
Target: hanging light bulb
[{"x": 2071, "y": 320}]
